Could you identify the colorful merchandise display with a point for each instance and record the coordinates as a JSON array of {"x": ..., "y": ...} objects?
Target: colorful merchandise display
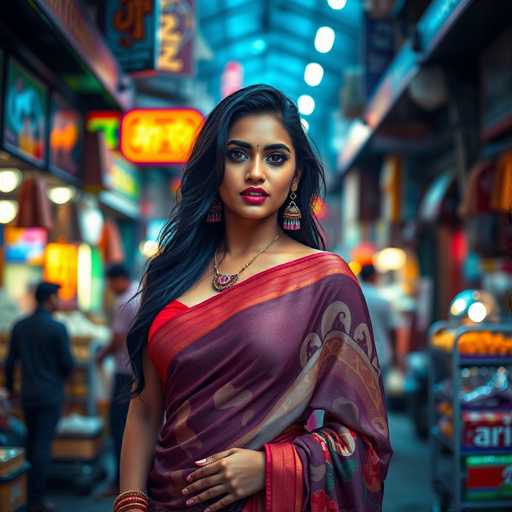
[
  {"x": 472, "y": 343},
  {"x": 470, "y": 411}
]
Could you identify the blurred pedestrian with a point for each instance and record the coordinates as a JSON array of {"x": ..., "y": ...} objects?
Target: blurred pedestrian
[
  {"x": 385, "y": 320},
  {"x": 41, "y": 344},
  {"x": 125, "y": 309}
]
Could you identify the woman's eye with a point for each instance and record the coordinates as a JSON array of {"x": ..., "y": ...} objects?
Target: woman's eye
[
  {"x": 235, "y": 155},
  {"x": 276, "y": 159}
]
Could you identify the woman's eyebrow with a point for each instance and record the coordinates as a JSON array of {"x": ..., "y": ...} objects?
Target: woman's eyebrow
[
  {"x": 277, "y": 146},
  {"x": 269, "y": 147},
  {"x": 240, "y": 143}
]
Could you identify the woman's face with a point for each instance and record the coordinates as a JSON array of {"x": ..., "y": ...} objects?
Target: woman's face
[{"x": 260, "y": 167}]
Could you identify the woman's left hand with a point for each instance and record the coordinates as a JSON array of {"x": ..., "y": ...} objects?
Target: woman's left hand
[{"x": 233, "y": 474}]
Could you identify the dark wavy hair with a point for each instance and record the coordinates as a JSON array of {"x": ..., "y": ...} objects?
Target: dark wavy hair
[{"x": 186, "y": 243}]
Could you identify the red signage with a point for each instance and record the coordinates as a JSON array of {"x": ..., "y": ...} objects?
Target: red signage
[{"x": 159, "y": 136}]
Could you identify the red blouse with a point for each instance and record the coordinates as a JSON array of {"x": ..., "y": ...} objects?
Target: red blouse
[{"x": 170, "y": 311}]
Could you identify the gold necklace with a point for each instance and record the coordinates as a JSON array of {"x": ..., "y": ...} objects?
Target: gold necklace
[{"x": 222, "y": 281}]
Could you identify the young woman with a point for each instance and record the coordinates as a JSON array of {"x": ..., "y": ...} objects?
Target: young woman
[{"x": 248, "y": 335}]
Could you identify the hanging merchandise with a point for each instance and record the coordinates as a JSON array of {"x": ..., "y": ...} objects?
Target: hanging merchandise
[
  {"x": 391, "y": 186},
  {"x": 501, "y": 195},
  {"x": 110, "y": 243},
  {"x": 34, "y": 206},
  {"x": 478, "y": 189}
]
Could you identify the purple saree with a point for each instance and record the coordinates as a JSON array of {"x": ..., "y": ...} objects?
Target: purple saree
[{"x": 247, "y": 368}]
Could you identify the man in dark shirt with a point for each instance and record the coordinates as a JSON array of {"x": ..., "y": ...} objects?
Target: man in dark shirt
[{"x": 41, "y": 344}]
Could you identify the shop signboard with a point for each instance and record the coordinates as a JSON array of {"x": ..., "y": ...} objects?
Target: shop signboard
[
  {"x": 151, "y": 36},
  {"x": 131, "y": 32},
  {"x": 25, "y": 115},
  {"x": 61, "y": 267},
  {"x": 25, "y": 245},
  {"x": 108, "y": 122},
  {"x": 90, "y": 278},
  {"x": 123, "y": 178},
  {"x": 65, "y": 137},
  {"x": 159, "y": 136},
  {"x": 379, "y": 49},
  {"x": 175, "y": 53},
  {"x": 489, "y": 477}
]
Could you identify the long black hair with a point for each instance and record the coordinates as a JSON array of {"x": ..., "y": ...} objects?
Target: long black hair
[{"x": 186, "y": 243}]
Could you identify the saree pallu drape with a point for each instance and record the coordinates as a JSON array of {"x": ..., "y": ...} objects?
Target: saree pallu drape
[{"x": 253, "y": 366}]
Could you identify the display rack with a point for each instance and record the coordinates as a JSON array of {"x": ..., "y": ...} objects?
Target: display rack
[{"x": 448, "y": 485}]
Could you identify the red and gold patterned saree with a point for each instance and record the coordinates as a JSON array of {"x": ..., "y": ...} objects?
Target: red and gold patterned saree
[{"x": 251, "y": 367}]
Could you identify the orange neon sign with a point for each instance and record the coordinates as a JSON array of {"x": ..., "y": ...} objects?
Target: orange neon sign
[{"x": 159, "y": 136}]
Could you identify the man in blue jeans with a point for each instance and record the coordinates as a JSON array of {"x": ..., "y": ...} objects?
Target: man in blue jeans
[
  {"x": 41, "y": 344},
  {"x": 118, "y": 278}
]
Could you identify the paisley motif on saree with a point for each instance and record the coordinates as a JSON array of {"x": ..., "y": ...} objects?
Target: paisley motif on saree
[{"x": 248, "y": 368}]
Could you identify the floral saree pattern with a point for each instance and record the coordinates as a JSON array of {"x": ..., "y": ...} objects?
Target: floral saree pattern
[{"x": 283, "y": 362}]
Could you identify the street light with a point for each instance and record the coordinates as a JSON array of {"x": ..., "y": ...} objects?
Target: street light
[
  {"x": 313, "y": 74},
  {"x": 306, "y": 104},
  {"x": 324, "y": 39}
]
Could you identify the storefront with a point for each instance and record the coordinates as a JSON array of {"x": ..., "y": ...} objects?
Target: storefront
[
  {"x": 437, "y": 132},
  {"x": 51, "y": 226}
]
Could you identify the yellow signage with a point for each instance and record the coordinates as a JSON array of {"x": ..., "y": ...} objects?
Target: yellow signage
[
  {"x": 159, "y": 136},
  {"x": 61, "y": 267}
]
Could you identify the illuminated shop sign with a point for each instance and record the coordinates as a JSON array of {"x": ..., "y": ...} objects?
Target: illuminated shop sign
[
  {"x": 107, "y": 122},
  {"x": 152, "y": 35},
  {"x": 65, "y": 137},
  {"x": 131, "y": 28},
  {"x": 25, "y": 114},
  {"x": 176, "y": 37},
  {"x": 25, "y": 245},
  {"x": 123, "y": 178},
  {"x": 61, "y": 267},
  {"x": 159, "y": 136}
]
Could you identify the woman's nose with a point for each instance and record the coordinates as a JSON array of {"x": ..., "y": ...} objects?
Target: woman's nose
[{"x": 256, "y": 171}]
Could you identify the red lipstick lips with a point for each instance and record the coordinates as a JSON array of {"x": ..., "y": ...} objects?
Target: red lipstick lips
[{"x": 254, "y": 196}]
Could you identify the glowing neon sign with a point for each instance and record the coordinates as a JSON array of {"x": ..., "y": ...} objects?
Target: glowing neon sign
[{"x": 159, "y": 136}]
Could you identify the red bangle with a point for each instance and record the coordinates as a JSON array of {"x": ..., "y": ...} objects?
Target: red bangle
[
  {"x": 134, "y": 500},
  {"x": 132, "y": 506},
  {"x": 131, "y": 500},
  {"x": 139, "y": 501},
  {"x": 129, "y": 505},
  {"x": 126, "y": 494}
]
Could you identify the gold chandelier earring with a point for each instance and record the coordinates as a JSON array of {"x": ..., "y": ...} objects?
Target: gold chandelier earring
[
  {"x": 292, "y": 213},
  {"x": 215, "y": 212}
]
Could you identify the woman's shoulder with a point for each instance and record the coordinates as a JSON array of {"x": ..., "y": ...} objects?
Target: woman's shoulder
[{"x": 331, "y": 261}]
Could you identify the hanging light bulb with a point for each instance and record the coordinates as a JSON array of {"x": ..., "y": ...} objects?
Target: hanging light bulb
[
  {"x": 61, "y": 195},
  {"x": 305, "y": 124},
  {"x": 313, "y": 74},
  {"x": 9, "y": 180},
  {"x": 324, "y": 39},
  {"x": 337, "y": 4},
  {"x": 8, "y": 211},
  {"x": 306, "y": 104}
]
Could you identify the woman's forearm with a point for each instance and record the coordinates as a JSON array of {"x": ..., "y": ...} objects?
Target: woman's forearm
[{"x": 140, "y": 434}]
